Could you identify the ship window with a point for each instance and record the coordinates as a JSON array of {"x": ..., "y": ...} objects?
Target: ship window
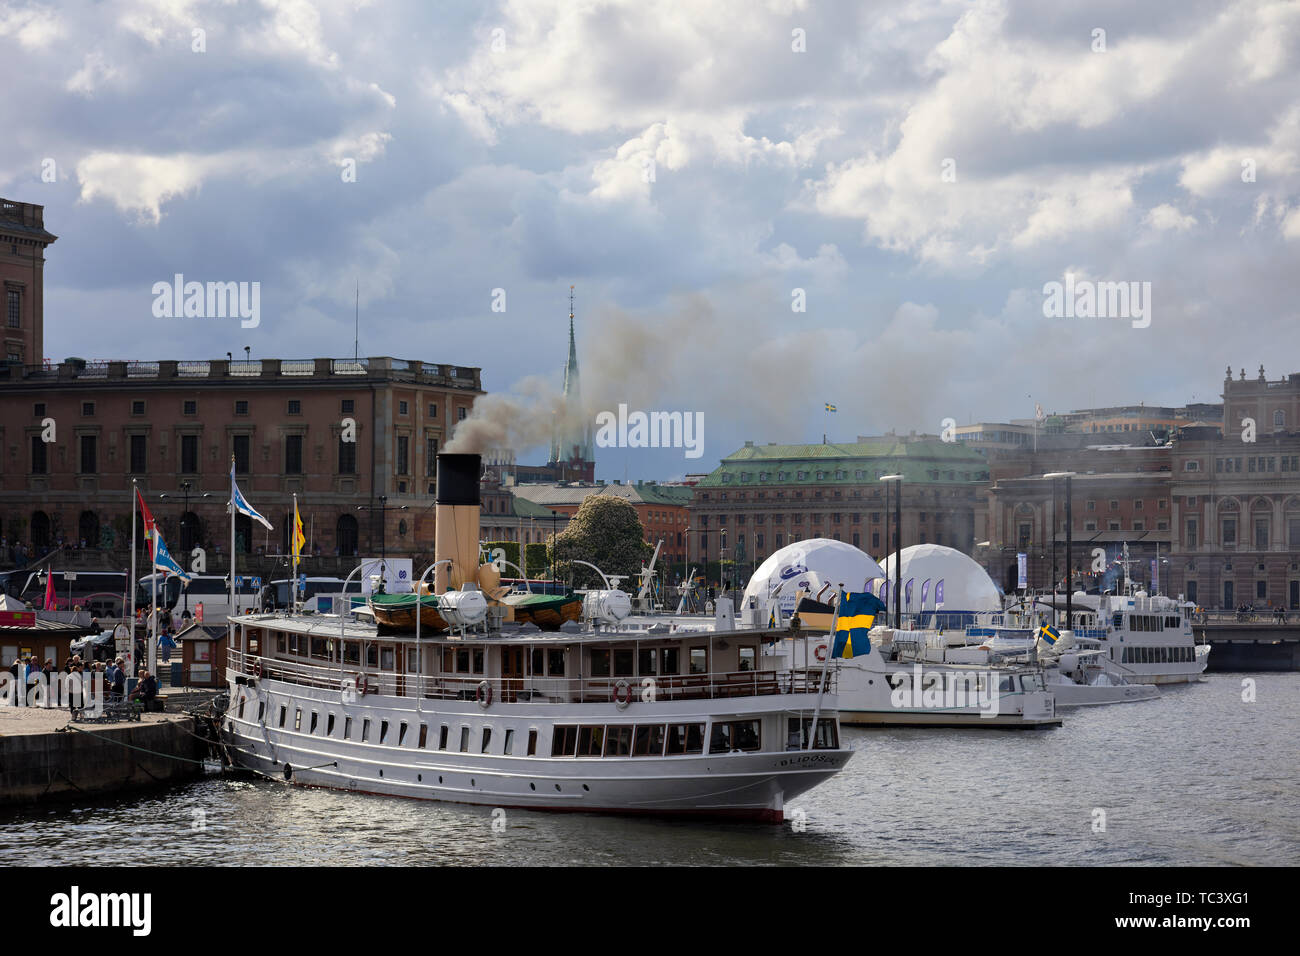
[
  {"x": 383, "y": 731},
  {"x": 351, "y": 653},
  {"x": 241, "y": 706},
  {"x": 591, "y": 741},
  {"x": 487, "y": 739},
  {"x": 645, "y": 661},
  {"x": 668, "y": 660},
  {"x": 623, "y": 662},
  {"x": 827, "y": 737},
  {"x": 401, "y": 734},
  {"x": 365, "y": 730},
  {"x": 424, "y": 736},
  {"x": 387, "y": 658},
  {"x": 464, "y": 740},
  {"x": 478, "y": 661},
  {"x": 532, "y": 743},
  {"x": 372, "y": 655},
  {"x": 538, "y": 660},
  {"x": 648, "y": 741},
  {"x": 685, "y": 739},
  {"x": 293, "y": 643},
  {"x": 279, "y": 643},
  {"x": 555, "y": 663},
  {"x": 347, "y": 728},
  {"x": 315, "y": 719},
  {"x": 720, "y": 739},
  {"x": 283, "y": 710},
  {"x": 297, "y": 719},
  {"x": 618, "y": 741},
  {"x": 261, "y": 710},
  {"x": 748, "y": 656},
  {"x": 746, "y": 735},
  {"x": 442, "y": 737},
  {"x": 564, "y": 741},
  {"x": 600, "y": 662},
  {"x": 462, "y": 660},
  {"x": 509, "y": 745},
  {"x": 699, "y": 660},
  {"x": 318, "y": 648}
]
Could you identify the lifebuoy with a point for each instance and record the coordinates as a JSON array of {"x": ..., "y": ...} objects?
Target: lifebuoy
[
  {"x": 363, "y": 688},
  {"x": 820, "y": 653},
  {"x": 622, "y": 694},
  {"x": 484, "y": 694}
]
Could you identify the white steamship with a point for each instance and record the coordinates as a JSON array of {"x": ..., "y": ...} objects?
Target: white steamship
[{"x": 652, "y": 716}]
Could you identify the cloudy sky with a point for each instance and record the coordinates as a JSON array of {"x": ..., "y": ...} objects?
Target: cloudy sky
[{"x": 918, "y": 169}]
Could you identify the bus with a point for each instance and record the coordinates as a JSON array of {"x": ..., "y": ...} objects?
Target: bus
[
  {"x": 102, "y": 593},
  {"x": 210, "y": 590},
  {"x": 275, "y": 596}
]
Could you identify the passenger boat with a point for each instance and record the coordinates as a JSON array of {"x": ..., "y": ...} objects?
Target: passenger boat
[
  {"x": 657, "y": 716},
  {"x": 929, "y": 678}
]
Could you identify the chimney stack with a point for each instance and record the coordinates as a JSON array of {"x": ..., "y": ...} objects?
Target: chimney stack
[{"x": 456, "y": 530}]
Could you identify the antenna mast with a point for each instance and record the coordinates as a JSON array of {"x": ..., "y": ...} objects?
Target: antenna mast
[{"x": 356, "y": 329}]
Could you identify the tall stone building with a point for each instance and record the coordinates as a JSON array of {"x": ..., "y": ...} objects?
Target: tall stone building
[
  {"x": 23, "y": 239},
  {"x": 572, "y": 457}
]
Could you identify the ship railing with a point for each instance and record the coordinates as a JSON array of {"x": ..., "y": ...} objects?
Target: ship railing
[{"x": 722, "y": 684}]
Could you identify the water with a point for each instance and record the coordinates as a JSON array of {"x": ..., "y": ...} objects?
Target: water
[{"x": 1196, "y": 778}]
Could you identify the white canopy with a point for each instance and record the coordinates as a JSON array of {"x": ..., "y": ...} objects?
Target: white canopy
[
  {"x": 966, "y": 585},
  {"x": 811, "y": 565}
]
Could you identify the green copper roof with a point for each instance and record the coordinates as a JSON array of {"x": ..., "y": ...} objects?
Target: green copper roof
[{"x": 852, "y": 463}]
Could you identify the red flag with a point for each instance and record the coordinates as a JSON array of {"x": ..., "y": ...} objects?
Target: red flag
[
  {"x": 51, "y": 602},
  {"x": 149, "y": 530}
]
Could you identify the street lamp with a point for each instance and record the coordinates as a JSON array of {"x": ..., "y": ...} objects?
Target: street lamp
[
  {"x": 898, "y": 544},
  {"x": 1069, "y": 545},
  {"x": 185, "y": 510}
]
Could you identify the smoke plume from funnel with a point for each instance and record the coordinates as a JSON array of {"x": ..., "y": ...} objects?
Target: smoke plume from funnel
[{"x": 527, "y": 416}]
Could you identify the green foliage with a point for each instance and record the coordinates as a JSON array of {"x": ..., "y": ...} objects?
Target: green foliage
[
  {"x": 511, "y": 549},
  {"x": 607, "y": 532},
  {"x": 539, "y": 561}
]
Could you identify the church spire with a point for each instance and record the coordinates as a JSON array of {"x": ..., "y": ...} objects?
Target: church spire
[{"x": 574, "y": 441}]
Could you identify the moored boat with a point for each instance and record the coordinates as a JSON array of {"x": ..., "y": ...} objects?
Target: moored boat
[{"x": 547, "y": 611}]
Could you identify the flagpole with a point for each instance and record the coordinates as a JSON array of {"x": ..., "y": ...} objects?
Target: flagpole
[
  {"x": 130, "y": 646},
  {"x": 293, "y": 540},
  {"x": 234, "y": 607},
  {"x": 151, "y": 652},
  {"x": 830, "y": 650}
]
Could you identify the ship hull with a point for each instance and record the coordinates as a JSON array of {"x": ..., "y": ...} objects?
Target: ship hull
[{"x": 755, "y": 786}]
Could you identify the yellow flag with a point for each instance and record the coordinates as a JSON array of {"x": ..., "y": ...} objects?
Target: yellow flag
[{"x": 299, "y": 539}]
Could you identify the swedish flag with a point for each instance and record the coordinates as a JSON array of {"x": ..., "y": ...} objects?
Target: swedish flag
[
  {"x": 1048, "y": 633},
  {"x": 857, "y": 613},
  {"x": 831, "y": 408}
]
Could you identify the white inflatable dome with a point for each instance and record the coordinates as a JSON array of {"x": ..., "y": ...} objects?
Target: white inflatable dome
[
  {"x": 810, "y": 565},
  {"x": 966, "y": 585}
]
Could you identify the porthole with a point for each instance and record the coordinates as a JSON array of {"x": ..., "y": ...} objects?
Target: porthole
[
  {"x": 381, "y": 773},
  {"x": 419, "y": 778},
  {"x": 440, "y": 779},
  {"x": 587, "y": 788},
  {"x": 472, "y": 783},
  {"x": 557, "y": 788},
  {"x": 532, "y": 786}
]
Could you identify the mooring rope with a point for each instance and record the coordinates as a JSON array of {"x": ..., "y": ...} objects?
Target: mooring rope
[{"x": 120, "y": 743}]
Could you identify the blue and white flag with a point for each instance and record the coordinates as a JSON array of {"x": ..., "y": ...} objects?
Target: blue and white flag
[
  {"x": 163, "y": 561},
  {"x": 241, "y": 503}
]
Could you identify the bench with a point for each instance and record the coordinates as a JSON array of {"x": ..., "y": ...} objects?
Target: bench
[{"x": 112, "y": 712}]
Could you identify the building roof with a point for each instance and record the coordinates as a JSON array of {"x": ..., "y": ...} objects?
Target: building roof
[
  {"x": 650, "y": 493},
  {"x": 525, "y": 508},
  {"x": 194, "y": 631},
  {"x": 849, "y": 463}
]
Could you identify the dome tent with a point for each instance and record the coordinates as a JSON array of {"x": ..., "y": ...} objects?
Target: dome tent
[
  {"x": 967, "y": 587},
  {"x": 810, "y": 565}
]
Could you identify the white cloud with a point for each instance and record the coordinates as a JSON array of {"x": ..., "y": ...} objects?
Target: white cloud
[
  {"x": 35, "y": 27},
  {"x": 1166, "y": 218}
]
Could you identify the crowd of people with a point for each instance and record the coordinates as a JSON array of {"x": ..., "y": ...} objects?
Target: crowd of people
[{"x": 28, "y": 670}]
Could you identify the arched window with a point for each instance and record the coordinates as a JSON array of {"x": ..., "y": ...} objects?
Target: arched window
[
  {"x": 345, "y": 535},
  {"x": 40, "y": 530},
  {"x": 88, "y": 529},
  {"x": 1279, "y": 420}
]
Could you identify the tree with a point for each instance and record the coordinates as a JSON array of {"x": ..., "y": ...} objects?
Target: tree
[
  {"x": 538, "y": 563},
  {"x": 605, "y": 531},
  {"x": 511, "y": 549}
]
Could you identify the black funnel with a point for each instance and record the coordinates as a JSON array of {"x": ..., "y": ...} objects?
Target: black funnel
[{"x": 458, "y": 477}]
